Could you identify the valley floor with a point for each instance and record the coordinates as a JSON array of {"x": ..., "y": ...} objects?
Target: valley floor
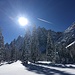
[{"x": 40, "y": 68}]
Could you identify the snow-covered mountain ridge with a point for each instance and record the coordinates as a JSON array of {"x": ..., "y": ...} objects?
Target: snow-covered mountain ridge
[
  {"x": 68, "y": 36},
  {"x": 70, "y": 28}
]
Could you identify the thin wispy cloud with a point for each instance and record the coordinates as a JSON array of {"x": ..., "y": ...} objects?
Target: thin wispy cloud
[{"x": 44, "y": 20}]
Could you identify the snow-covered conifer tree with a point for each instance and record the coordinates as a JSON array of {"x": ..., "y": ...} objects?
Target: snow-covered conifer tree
[
  {"x": 1, "y": 47},
  {"x": 26, "y": 47},
  {"x": 49, "y": 48},
  {"x": 34, "y": 45},
  {"x": 7, "y": 52},
  {"x": 13, "y": 50}
]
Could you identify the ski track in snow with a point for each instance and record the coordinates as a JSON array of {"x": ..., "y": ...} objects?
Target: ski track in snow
[{"x": 17, "y": 68}]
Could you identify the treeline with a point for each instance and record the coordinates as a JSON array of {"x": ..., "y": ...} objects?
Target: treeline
[{"x": 38, "y": 45}]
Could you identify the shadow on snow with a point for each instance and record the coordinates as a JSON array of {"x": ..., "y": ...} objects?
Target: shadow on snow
[
  {"x": 44, "y": 70},
  {"x": 57, "y": 65}
]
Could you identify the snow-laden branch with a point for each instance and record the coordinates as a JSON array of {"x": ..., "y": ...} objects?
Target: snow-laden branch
[{"x": 70, "y": 44}]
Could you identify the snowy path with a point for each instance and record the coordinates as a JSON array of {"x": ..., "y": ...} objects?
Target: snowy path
[{"x": 36, "y": 69}]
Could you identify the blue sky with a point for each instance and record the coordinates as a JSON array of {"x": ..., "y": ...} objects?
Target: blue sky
[{"x": 61, "y": 13}]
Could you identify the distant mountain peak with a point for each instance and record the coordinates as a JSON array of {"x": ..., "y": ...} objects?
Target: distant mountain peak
[{"x": 70, "y": 28}]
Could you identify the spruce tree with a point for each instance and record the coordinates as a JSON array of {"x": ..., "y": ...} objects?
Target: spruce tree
[
  {"x": 34, "y": 46},
  {"x": 1, "y": 47},
  {"x": 26, "y": 47},
  {"x": 13, "y": 51},
  {"x": 50, "y": 48},
  {"x": 7, "y": 52}
]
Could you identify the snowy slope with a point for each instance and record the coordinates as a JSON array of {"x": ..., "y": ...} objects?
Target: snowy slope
[
  {"x": 15, "y": 69},
  {"x": 70, "y": 28},
  {"x": 40, "y": 68},
  {"x": 68, "y": 36}
]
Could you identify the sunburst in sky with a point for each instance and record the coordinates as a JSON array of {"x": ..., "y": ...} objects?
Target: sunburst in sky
[
  {"x": 22, "y": 21},
  {"x": 53, "y": 14}
]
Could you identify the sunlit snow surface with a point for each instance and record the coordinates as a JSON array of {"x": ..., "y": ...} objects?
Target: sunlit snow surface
[
  {"x": 40, "y": 68},
  {"x": 15, "y": 69}
]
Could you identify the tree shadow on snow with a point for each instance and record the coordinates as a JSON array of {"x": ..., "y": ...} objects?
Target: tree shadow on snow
[
  {"x": 44, "y": 70},
  {"x": 57, "y": 65}
]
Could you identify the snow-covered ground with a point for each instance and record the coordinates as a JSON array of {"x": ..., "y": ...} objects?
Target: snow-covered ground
[
  {"x": 39, "y": 68},
  {"x": 15, "y": 69}
]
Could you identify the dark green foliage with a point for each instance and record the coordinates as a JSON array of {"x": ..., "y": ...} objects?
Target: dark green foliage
[
  {"x": 13, "y": 51},
  {"x": 50, "y": 48},
  {"x": 26, "y": 49},
  {"x": 1, "y": 47},
  {"x": 34, "y": 46}
]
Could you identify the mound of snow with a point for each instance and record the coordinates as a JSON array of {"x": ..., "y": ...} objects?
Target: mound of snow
[{"x": 15, "y": 68}]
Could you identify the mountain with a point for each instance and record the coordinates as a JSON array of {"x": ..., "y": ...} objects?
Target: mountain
[
  {"x": 70, "y": 28},
  {"x": 68, "y": 36}
]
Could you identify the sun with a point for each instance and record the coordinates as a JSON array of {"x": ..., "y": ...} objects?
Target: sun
[{"x": 23, "y": 21}]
